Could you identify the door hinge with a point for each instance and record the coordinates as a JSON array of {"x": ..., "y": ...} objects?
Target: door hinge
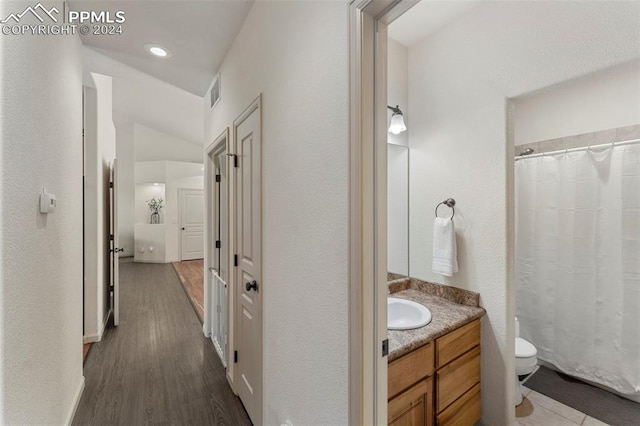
[
  {"x": 218, "y": 178},
  {"x": 110, "y": 184},
  {"x": 385, "y": 347},
  {"x": 235, "y": 260},
  {"x": 235, "y": 357},
  {"x": 111, "y": 237},
  {"x": 218, "y": 243}
]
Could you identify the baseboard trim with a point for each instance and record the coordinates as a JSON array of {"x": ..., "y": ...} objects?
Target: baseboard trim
[
  {"x": 76, "y": 403},
  {"x": 93, "y": 338}
]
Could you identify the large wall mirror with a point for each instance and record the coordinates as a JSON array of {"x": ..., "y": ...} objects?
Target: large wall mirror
[{"x": 398, "y": 209}]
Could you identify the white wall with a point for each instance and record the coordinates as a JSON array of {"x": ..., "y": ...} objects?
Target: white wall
[
  {"x": 40, "y": 255},
  {"x": 126, "y": 183},
  {"x": 153, "y": 145},
  {"x": 295, "y": 54},
  {"x": 146, "y": 100},
  {"x": 100, "y": 151},
  {"x": 174, "y": 175},
  {"x": 144, "y": 193},
  {"x": 460, "y": 79},
  {"x": 605, "y": 100},
  {"x": 154, "y": 107}
]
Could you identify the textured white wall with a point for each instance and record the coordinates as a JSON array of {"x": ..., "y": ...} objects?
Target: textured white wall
[
  {"x": 605, "y": 100},
  {"x": 100, "y": 151},
  {"x": 460, "y": 79},
  {"x": 295, "y": 53},
  {"x": 40, "y": 255},
  {"x": 154, "y": 145}
]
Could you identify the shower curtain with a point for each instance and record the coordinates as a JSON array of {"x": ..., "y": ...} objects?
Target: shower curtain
[{"x": 578, "y": 263}]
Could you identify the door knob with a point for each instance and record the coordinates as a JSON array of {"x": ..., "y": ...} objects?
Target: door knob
[
  {"x": 253, "y": 285},
  {"x": 183, "y": 229}
]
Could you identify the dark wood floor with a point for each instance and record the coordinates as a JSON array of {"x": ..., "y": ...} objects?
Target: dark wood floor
[
  {"x": 156, "y": 367},
  {"x": 191, "y": 273}
]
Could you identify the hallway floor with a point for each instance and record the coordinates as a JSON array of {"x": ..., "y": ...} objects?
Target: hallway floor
[
  {"x": 191, "y": 274},
  {"x": 156, "y": 366}
]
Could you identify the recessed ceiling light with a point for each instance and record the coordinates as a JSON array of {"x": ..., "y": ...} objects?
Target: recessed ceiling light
[{"x": 158, "y": 51}]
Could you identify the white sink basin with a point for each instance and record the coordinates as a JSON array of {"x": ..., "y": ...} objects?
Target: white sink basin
[{"x": 405, "y": 315}]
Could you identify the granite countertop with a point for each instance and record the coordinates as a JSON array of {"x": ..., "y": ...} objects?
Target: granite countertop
[{"x": 446, "y": 315}]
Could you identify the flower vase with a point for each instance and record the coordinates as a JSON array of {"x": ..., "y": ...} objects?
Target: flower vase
[{"x": 155, "y": 218}]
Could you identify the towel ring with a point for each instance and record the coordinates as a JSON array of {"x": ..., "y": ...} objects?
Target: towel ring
[{"x": 449, "y": 202}]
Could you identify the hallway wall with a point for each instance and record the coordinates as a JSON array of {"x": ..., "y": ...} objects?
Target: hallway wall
[
  {"x": 40, "y": 255},
  {"x": 296, "y": 55}
]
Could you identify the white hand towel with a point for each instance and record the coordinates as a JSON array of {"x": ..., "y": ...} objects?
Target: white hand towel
[{"x": 445, "y": 256}]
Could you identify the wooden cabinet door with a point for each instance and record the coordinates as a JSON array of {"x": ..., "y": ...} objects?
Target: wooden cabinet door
[{"x": 413, "y": 407}]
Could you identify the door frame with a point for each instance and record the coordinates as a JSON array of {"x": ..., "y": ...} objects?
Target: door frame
[
  {"x": 368, "y": 21},
  {"x": 233, "y": 329},
  {"x": 181, "y": 191},
  {"x": 219, "y": 144}
]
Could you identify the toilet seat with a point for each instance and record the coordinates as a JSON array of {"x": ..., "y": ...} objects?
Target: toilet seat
[{"x": 525, "y": 349}]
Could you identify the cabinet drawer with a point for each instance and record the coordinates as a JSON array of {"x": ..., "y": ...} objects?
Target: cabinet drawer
[
  {"x": 409, "y": 369},
  {"x": 454, "y": 379},
  {"x": 464, "y": 412},
  {"x": 454, "y": 344},
  {"x": 413, "y": 407}
]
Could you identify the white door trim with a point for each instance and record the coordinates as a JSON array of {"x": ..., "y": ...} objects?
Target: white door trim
[
  {"x": 368, "y": 20},
  {"x": 233, "y": 330}
]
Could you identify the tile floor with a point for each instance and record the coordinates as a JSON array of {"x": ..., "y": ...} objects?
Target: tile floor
[{"x": 539, "y": 410}]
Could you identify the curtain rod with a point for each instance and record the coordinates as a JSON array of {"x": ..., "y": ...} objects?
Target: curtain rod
[{"x": 584, "y": 148}]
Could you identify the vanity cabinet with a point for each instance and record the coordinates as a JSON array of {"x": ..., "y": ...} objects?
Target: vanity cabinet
[{"x": 438, "y": 383}]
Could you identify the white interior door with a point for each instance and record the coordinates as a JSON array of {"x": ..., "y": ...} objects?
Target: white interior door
[
  {"x": 248, "y": 230},
  {"x": 192, "y": 224},
  {"x": 114, "y": 247}
]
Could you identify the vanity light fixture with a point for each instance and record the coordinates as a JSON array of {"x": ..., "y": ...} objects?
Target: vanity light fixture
[{"x": 396, "y": 124}]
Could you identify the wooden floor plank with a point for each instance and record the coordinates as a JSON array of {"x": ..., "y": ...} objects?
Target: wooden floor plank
[
  {"x": 156, "y": 367},
  {"x": 191, "y": 274}
]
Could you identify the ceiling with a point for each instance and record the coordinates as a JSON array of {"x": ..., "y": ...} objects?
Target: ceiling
[
  {"x": 427, "y": 17},
  {"x": 198, "y": 34}
]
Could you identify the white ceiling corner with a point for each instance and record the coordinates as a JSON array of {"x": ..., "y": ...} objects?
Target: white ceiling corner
[
  {"x": 427, "y": 17},
  {"x": 198, "y": 33}
]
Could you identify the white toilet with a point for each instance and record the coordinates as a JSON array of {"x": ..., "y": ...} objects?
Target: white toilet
[{"x": 525, "y": 360}]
